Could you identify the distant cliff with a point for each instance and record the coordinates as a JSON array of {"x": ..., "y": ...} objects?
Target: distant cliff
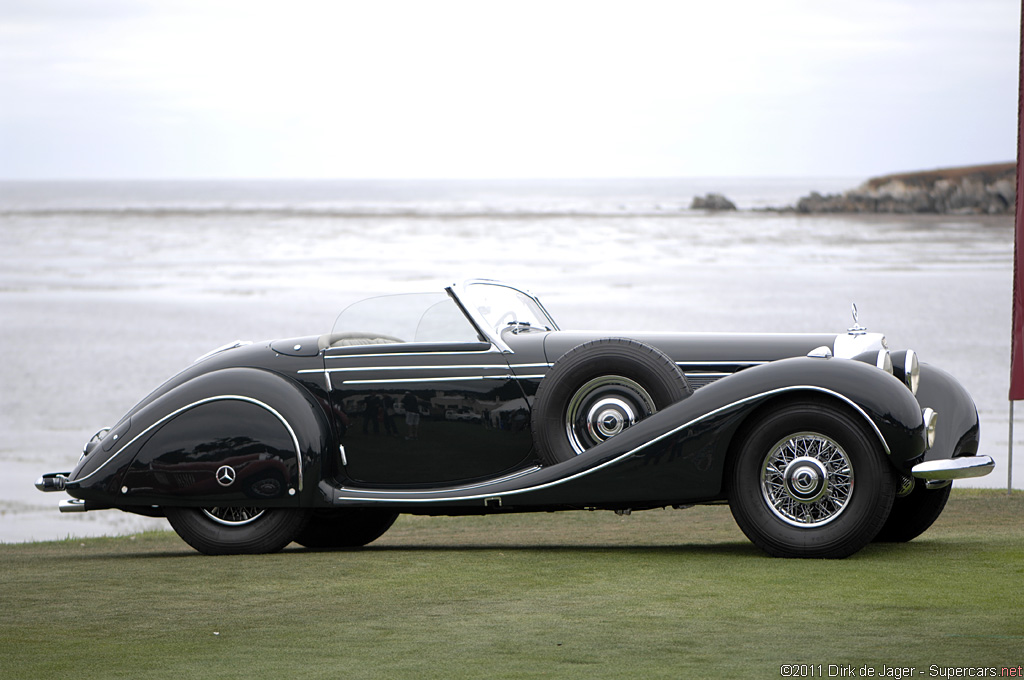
[{"x": 973, "y": 190}]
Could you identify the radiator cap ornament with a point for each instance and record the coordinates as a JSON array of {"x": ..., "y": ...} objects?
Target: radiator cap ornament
[{"x": 856, "y": 328}]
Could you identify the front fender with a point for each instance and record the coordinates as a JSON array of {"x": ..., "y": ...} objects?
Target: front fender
[
  {"x": 235, "y": 435},
  {"x": 959, "y": 431},
  {"x": 679, "y": 454},
  {"x": 882, "y": 402}
]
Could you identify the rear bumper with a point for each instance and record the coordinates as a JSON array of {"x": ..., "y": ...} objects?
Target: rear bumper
[
  {"x": 57, "y": 481},
  {"x": 947, "y": 469},
  {"x": 53, "y": 481}
]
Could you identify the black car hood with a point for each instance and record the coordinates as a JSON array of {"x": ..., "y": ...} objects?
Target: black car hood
[{"x": 703, "y": 348}]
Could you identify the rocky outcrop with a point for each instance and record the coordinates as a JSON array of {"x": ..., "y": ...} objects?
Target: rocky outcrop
[
  {"x": 712, "y": 202},
  {"x": 978, "y": 189}
]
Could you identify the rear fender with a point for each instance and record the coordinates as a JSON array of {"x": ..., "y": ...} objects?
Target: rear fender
[{"x": 237, "y": 435}]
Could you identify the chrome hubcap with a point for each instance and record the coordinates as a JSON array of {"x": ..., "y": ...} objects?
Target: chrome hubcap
[
  {"x": 604, "y": 407},
  {"x": 233, "y": 517},
  {"x": 807, "y": 479},
  {"x": 609, "y": 417}
]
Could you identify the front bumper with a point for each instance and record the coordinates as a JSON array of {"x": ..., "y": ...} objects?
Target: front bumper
[{"x": 948, "y": 469}]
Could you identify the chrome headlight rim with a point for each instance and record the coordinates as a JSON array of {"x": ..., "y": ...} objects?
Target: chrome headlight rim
[
  {"x": 912, "y": 371},
  {"x": 884, "y": 361},
  {"x": 880, "y": 359},
  {"x": 931, "y": 424},
  {"x": 907, "y": 367}
]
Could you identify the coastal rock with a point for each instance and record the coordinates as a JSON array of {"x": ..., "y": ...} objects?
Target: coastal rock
[
  {"x": 974, "y": 190},
  {"x": 712, "y": 202}
]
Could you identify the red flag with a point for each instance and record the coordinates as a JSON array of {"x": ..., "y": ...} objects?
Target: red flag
[{"x": 1017, "y": 342}]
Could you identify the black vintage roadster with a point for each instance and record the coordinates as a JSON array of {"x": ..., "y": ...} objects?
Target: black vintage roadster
[{"x": 473, "y": 401}]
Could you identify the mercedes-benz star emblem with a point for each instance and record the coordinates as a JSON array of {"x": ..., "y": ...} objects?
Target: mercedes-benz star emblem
[{"x": 226, "y": 475}]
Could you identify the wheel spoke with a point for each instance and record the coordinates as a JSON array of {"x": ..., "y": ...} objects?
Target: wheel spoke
[
  {"x": 233, "y": 516},
  {"x": 807, "y": 479}
]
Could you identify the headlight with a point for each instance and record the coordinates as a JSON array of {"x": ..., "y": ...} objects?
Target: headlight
[
  {"x": 931, "y": 423},
  {"x": 880, "y": 358},
  {"x": 884, "y": 361},
  {"x": 907, "y": 368}
]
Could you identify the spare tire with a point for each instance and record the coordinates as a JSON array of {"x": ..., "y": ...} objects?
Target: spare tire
[{"x": 598, "y": 389}]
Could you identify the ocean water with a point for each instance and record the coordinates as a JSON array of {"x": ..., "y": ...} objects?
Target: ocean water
[{"x": 108, "y": 288}]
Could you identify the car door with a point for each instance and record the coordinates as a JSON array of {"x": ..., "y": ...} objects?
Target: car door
[{"x": 427, "y": 414}]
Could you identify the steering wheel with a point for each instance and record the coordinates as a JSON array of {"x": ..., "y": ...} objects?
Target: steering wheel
[{"x": 511, "y": 316}]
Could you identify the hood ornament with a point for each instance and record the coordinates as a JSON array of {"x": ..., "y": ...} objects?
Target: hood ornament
[{"x": 856, "y": 328}]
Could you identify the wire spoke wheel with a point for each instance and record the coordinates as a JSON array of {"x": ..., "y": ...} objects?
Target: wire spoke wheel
[
  {"x": 233, "y": 516},
  {"x": 807, "y": 479},
  {"x": 810, "y": 479}
]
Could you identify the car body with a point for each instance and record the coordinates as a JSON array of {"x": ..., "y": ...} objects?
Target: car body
[{"x": 473, "y": 400}]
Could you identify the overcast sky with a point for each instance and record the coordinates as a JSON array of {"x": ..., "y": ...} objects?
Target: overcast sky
[{"x": 439, "y": 89}]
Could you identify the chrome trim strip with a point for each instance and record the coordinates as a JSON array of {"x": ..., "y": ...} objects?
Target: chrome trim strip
[
  {"x": 489, "y": 482},
  {"x": 380, "y": 381},
  {"x": 222, "y": 397},
  {"x": 706, "y": 374},
  {"x": 497, "y": 367},
  {"x": 223, "y": 348},
  {"x": 721, "y": 363},
  {"x": 378, "y": 355},
  {"x": 627, "y": 454}
]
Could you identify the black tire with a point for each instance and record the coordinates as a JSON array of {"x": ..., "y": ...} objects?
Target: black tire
[
  {"x": 912, "y": 514},
  {"x": 237, "y": 531},
  {"x": 345, "y": 528},
  {"x": 597, "y": 389},
  {"x": 810, "y": 480}
]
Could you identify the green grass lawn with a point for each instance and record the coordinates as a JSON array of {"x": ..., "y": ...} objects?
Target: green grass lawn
[{"x": 658, "y": 594}]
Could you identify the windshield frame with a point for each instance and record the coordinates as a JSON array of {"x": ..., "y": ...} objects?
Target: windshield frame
[
  {"x": 400, "y": 318},
  {"x": 460, "y": 293}
]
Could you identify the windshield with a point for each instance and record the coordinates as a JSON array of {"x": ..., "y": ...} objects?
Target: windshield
[
  {"x": 500, "y": 306},
  {"x": 415, "y": 317}
]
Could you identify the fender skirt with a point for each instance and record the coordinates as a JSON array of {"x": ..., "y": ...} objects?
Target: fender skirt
[{"x": 238, "y": 435}]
